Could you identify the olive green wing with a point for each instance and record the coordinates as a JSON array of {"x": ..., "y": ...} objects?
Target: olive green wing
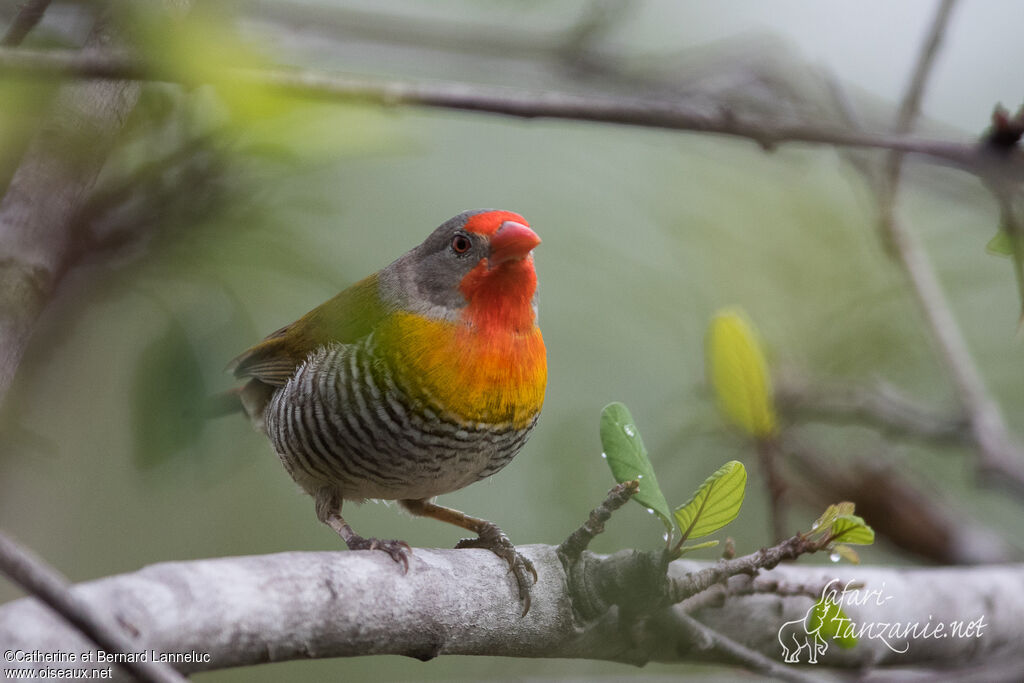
[{"x": 344, "y": 319}]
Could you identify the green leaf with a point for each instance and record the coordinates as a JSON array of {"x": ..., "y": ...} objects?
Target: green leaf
[
  {"x": 834, "y": 623},
  {"x": 628, "y": 460},
  {"x": 852, "y": 529},
  {"x": 1001, "y": 244},
  {"x": 696, "y": 546},
  {"x": 847, "y": 553},
  {"x": 716, "y": 502},
  {"x": 739, "y": 374},
  {"x": 832, "y": 512}
]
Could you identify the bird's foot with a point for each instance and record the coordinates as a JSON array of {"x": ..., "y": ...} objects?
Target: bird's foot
[
  {"x": 398, "y": 550},
  {"x": 494, "y": 539}
]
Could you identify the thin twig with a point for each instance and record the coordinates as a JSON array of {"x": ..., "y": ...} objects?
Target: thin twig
[
  {"x": 577, "y": 542},
  {"x": 911, "y": 104},
  {"x": 668, "y": 114},
  {"x": 769, "y": 456},
  {"x": 881, "y": 406},
  {"x": 743, "y": 585},
  {"x": 699, "y": 636},
  {"x": 910, "y": 107},
  {"x": 25, "y": 20},
  {"x": 1000, "y": 457},
  {"x": 41, "y": 580},
  {"x": 683, "y": 587}
]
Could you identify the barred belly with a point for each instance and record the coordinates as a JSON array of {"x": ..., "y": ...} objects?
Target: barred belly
[{"x": 345, "y": 420}]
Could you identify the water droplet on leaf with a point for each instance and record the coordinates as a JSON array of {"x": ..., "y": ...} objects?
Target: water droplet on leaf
[
  {"x": 835, "y": 557},
  {"x": 630, "y": 430},
  {"x": 639, "y": 476},
  {"x": 604, "y": 455},
  {"x": 650, "y": 511}
]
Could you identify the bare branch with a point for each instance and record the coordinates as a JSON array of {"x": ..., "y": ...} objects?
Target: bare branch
[
  {"x": 768, "y": 456},
  {"x": 705, "y": 638},
  {"x": 673, "y": 114},
  {"x": 38, "y": 578},
  {"x": 764, "y": 559},
  {"x": 1000, "y": 459},
  {"x": 911, "y": 103},
  {"x": 47, "y": 190},
  {"x": 30, "y": 13},
  {"x": 578, "y": 541},
  {"x": 745, "y": 584},
  {"x": 914, "y": 517},
  {"x": 880, "y": 405}
]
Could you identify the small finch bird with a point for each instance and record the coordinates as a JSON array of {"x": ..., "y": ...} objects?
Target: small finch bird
[{"x": 419, "y": 380}]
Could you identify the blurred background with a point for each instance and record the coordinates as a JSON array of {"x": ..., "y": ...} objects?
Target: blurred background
[{"x": 226, "y": 212}]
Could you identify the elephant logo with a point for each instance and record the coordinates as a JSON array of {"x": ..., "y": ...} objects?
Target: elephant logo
[{"x": 803, "y": 633}]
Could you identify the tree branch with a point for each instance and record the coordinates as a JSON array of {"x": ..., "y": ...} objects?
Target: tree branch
[
  {"x": 45, "y": 193},
  {"x": 880, "y": 405},
  {"x": 913, "y": 517},
  {"x": 41, "y": 580},
  {"x": 572, "y": 547},
  {"x": 1000, "y": 458},
  {"x": 30, "y": 13},
  {"x": 704, "y": 638},
  {"x": 698, "y": 115},
  {"x": 249, "y": 610}
]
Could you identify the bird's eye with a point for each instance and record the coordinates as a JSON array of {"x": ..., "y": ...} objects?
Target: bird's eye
[{"x": 461, "y": 244}]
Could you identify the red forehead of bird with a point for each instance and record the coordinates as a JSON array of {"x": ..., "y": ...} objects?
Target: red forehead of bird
[{"x": 487, "y": 223}]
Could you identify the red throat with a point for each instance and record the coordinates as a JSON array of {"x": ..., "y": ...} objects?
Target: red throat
[{"x": 500, "y": 300}]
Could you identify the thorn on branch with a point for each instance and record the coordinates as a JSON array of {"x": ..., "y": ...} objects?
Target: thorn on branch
[{"x": 619, "y": 495}]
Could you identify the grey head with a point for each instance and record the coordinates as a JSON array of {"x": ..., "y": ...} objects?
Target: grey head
[{"x": 426, "y": 280}]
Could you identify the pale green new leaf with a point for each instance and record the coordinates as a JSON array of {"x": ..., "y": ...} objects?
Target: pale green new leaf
[
  {"x": 847, "y": 553},
  {"x": 716, "y": 502},
  {"x": 738, "y": 372},
  {"x": 628, "y": 460},
  {"x": 852, "y": 529},
  {"x": 831, "y": 513},
  {"x": 1001, "y": 244}
]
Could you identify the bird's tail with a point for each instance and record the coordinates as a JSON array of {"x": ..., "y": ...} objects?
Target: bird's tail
[
  {"x": 250, "y": 399},
  {"x": 225, "y": 403}
]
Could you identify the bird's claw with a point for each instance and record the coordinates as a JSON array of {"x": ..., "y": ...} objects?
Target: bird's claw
[
  {"x": 398, "y": 550},
  {"x": 492, "y": 538}
]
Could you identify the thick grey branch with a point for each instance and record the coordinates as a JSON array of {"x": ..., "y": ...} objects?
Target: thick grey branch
[
  {"x": 248, "y": 610},
  {"x": 47, "y": 190}
]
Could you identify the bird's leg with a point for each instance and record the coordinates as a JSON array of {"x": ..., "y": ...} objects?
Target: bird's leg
[
  {"x": 328, "y": 511},
  {"x": 489, "y": 537}
]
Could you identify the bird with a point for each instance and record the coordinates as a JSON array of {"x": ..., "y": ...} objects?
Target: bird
[{"x": 416, "y": 381}]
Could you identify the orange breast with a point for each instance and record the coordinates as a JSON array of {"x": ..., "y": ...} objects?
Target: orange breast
[{"x": 492, "y": 377}]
